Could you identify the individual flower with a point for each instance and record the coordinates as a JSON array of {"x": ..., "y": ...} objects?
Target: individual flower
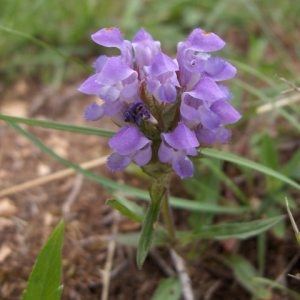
[
  {"x": 113, "y": 38},
  {"x": 145, "y": 49},
  {"x": 115, "y": 81},
  {"x": 162, "y": 80},
  {"x": 175, "y": 148},
  {"x": 196, "y": 61},
  {"x": 208, "y": 104},
  {"x": 129, "y": 144}
]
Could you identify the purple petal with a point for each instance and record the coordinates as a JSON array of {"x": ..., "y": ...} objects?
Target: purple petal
[
  {"x": 181, "y": 138},
  {"x": 90, "y": 86},
  {"x": 225, "y": 111},
  {"x": 145, "y": 48},
  {"x": 109, "y": 93},
  {"x": 193, "y": 61},
  {"x": 219, "y": 69},
  {"x": 143, "y": 156},
  {"x": 207, "y": 136},
  {"x": 114, "y": 109},
  {"x": 167, "y": 93},
  {"x": 142, "y": 36},
  {"x": 202, "y": 41},
  {"x": 130, "y": 88},
  {"x": 114, "y": 70},
  {"x": 162, "y": 63},
  {"x": 128, "y": 140},
  {"x": 207, "y": 90},
  {"x": 99, "y": 63},
  {"x": 222, "y": 135},
  {"x": 108, "y": 37},
  {"x": 165, "y": 153},
  {"x": 189, "y": 109},
  {"x": 117, "y": 162},
  {"x": 93, "y": 112},
  {"x": 183, "y": 166},
  {"x": 208, "y": 118}
]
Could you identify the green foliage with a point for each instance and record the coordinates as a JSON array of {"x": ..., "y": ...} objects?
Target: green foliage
[
  {"x": 158, "y": 193},
  {"x": 127, "y": 208},
  {"x": 249, "y": 164},
  {"x": 168, "y": 289},
  {"x": 238, "y": 230},
  {"x": 245, "y": 274},
  {"x": 45, "y": 279}
]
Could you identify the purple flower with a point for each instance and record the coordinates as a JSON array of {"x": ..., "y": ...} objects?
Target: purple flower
[
  {"x": 114, "y": 81},
  {"x": 165, "y": 107},
  {"x": 207, "y": 104},
  {"x": 113, "y": 38},
  {"x": 145, "y": 49},
  {"x": 210, "y": 136},
  {"x": 195, "y": 60},
  {"x": 175, "y": 148},
  {"x": 129, "y": 144},
  {"x": 162, "y": 80}
]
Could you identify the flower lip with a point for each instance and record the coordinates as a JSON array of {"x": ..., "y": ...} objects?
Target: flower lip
[
  {"x": 128, "y": 140},
  {"x": 202, "y": 41},
  {"x": 181, "y": 138},
  {"x": 108, "y": 37}
]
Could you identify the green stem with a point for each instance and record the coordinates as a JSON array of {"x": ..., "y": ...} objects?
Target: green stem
[{"x": 168, "y": 216}]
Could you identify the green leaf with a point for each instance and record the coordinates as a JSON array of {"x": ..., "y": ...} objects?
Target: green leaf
[
  {"x": 269, "y": 157},
  {"x": 57, "y": 126},
  {"x": 275, "y": 285},
  {"x": 246, "y": 274},
  {"x": 168, "y": 289},
  {"x": 238, "y": 230},
  {"x": 158, "y": 193},
  {"x": 147, "y": 233},
  {"x": 217, "y": 172},
  {"x": 127, "y": 208},
  {"x": 45, "y": 279},
  {"x": 223, "y": 155}
]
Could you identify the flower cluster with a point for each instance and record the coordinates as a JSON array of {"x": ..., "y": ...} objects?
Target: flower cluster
[{"x": 165, "y": 107}]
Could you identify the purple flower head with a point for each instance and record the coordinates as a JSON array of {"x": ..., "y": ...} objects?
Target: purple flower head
[
  {"x": 165, "y": 107},
  {"x": 175, "y": 148},
  {"x": 129, "y": 144}
]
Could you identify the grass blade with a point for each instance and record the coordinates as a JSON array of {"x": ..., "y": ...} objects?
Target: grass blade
[
  {"x": 45, "y": 280},
  {"x": 57, "y": 126},
  {"x": 223, "y": 155},
  {"x": 127, "y": 208},
  {"x": 238, "y": 230},
  {"x": 245, "y": 273}
]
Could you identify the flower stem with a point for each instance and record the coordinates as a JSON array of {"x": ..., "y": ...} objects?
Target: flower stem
[{"x": 168, "y": 216}]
